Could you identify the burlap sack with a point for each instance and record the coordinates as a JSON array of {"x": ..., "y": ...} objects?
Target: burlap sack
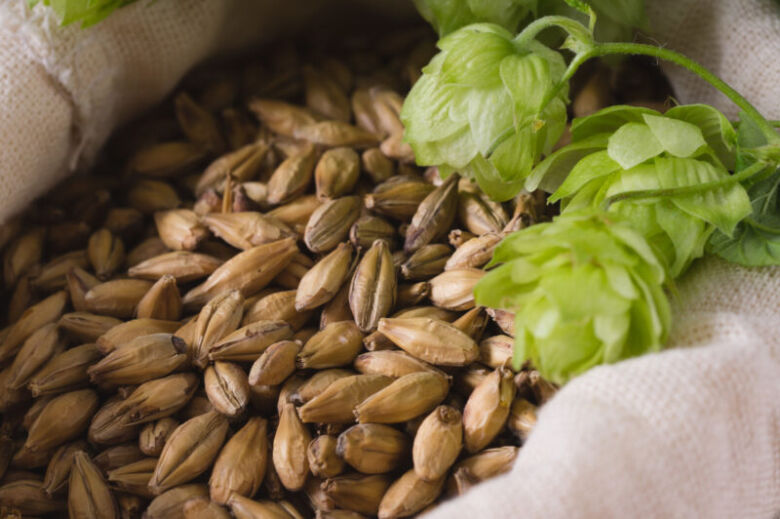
[{"x": 690, "y": 432}]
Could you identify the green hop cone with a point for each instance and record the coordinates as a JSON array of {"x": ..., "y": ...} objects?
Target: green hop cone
[
  {"x": 585, "y": 289},
  {"x": 666, "y": 175},
  {"x": 478, "y": 108}
]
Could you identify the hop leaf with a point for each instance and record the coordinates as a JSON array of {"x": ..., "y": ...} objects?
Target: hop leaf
[
  {"x": 477, "y": 109},
  {"x": 622, "y": 151},
  {"x": 585, "y": 289}
]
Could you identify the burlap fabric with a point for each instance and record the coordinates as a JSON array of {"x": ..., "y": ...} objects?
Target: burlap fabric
[{"x": 690, "y": 432}]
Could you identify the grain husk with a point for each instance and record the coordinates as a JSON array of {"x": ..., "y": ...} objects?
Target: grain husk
[
  {"x": 277, "y": 306},
  {"x": 23, "y": 255},
  {"x": 406, "y": 398},
  {"x": 88, "y": 493},
  {"x": 126, "y": 332},
  {"x": 249, "y": 342},
  {"x": 170, "y": 504},
  {"x": 398, "y": 197},
  {"x": 325, "y": 95},
  {"x": 109, "y": 426},
  {"x": 220, "y": 317},
  {"x": 337, "y": 309},
  {"x": 198, "y": 124},
  {"x": 63, "y": 419},
  {"x": 189, "y": 451},
  {"x": 52, "y": 275},
  {"x": 106, "y": 253},
  {"x": 227, "y": 388},
  {"x": 241, "y": 164},
  {"x": 86, "y": 326},
  {"x": 487, "y": 409},
  {"x": 495, "y": 351},
  {"x": 245, "y": 508},
  {"x": 479, "y": 214},
  {"x": 336, "y": 403},
  {"x": 330, "y": 222},
  {"x": 357, "y": 492},
  {"x": 372, "y": 291},
  {"x": 37, "y": 350},
  {"x": 336, "y": 173},
  {"x": 373, "y": 448},
  {"x": 248, "y": 271},
  {"x": 241, "y": 464},
  {"x": 185, "y": 266},
  {"x": 289, "y": 449},
  {"x": 437, "y": 443},
  {"x": 394, "y": 364},
  {"x": 65, "y": 372},
  {"x": 369, "y": 228},
  {"x": 522, "y": 418},
  {"x": 335, "y": 134},
  {"x": 157, "y": 399},
  {"x": 454, "y": 289},
  {"x": 292, "y": 274},
  {"x": 281, "y": 117},
  {"x": 275, "y": 364},
  {"x": 377, "y": 165},
  {"x": 434, "y": 216},
  {"x": 291, "y": 177},
  {"x": 153, "y": 435},
  {"x": 408, "y": 495},
  {"x": 317, "y": 384},
  {"x": 162, "y": 301},
  {"x": 431, "y": 340},
  {"x": 324, "y": 462},
  {"x": 47, "y": 311},
  {"x": 474, "y": 253},
  {"x": 487, "y": 464},
  {"x": 58, "y": 469},
  {"x": 118, "y": 456},
  {"x": 337, "y": 344},
  {"x": 323, "y": 281},
  {"x": 144, "y": 358},
  {"x": 116, "y": 298},
  {"x": 27, "y": 497},
  {"x": 202, "y": 508},
  {"x": 133, "y": 477}
]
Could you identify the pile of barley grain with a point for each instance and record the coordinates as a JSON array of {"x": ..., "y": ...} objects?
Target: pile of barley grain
[{"x": 257, "y": 305}]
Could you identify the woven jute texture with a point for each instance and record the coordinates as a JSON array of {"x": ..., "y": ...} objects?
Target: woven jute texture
[{"x": 693, "y": 431}]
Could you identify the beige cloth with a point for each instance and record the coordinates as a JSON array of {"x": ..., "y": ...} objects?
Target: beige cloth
[
  {"x": 687, "y": 433},
  {"x": 690, "y": 432},
  {"x": 64, "y": 89}
]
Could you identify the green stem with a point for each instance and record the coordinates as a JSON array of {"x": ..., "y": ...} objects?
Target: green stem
[
  {"x": 602, "y": 49},
  {"x": 586, "y": 48},
  {"x": 761, "y": 227},
  {"x": 745, "y": 174},
  {"x": 578, "y": 60},
  {"x": 574, "y": 28}
]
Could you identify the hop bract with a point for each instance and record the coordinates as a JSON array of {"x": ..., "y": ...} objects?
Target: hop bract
[
  {"x": 585, "y": 290},
  {"x": 621, "y": 152},
  {"x": 477, "y": 108},
  {"x": 449, "y": 15}
]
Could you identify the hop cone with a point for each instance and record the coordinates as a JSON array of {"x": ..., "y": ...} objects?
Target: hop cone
[
  {"x": 477, "y": 108},
  {"x": 585, "y": 289}
]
